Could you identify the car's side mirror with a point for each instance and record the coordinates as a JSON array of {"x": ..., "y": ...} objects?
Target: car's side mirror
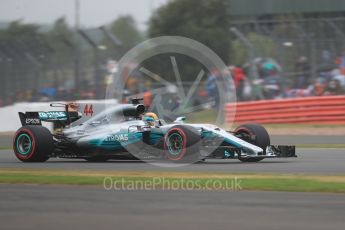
[
  {"x": 95, "y": 123},
  {"x": 180, "y": 119}
]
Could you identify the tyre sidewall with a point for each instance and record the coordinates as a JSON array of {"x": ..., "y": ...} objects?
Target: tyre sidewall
[
  {"x": 191, "y": 144},
  {"x": 42, "y": 143}
]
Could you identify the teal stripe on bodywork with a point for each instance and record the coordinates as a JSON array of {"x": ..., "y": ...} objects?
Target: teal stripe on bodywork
[
  {"x": 115, "y": 144},
  {"x": 210, "y": 135},
  {"x": 155, "y": 137}
]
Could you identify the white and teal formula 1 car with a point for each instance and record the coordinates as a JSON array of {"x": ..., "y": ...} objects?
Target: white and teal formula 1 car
[{"x": 127, "y": 131}]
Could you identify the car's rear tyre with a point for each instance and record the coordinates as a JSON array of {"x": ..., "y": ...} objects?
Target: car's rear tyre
[
  {"x": 182, "y": 144},
  {"x": 33, "y": 143},
  {"x": 256, "y": 135}
]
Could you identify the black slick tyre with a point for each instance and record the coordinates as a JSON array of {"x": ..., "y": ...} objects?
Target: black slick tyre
[{"x": 33, "y": 143}]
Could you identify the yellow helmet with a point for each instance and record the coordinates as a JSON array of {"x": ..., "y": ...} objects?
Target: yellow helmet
[
  {"x": 150, "y": 118},
  {"x": 153, "y": 115}
]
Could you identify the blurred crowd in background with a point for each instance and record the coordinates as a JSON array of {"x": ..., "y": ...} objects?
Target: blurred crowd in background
[{"x": 272, "y": 83}]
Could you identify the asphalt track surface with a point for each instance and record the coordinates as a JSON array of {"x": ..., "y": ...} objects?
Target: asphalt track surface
[
  {"x": 93, "y": 207},
  {"x": 309, "y": 161},
  {"x": 57, "y": 207}
]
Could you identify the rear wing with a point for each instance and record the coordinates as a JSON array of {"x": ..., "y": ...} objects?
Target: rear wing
[{"x": 63, "y": 117}]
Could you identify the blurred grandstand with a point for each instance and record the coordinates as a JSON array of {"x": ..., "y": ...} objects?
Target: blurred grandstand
[{"x": 279, "y": 49}]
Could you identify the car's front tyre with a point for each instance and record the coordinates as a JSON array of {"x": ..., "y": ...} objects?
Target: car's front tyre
[{"x": 256, "y": 135}]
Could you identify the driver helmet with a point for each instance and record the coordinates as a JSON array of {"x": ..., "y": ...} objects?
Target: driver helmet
[{"x": 150, "y": 118}]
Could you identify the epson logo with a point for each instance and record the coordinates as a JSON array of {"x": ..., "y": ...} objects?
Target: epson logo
[
  {"x": 32, "y": 121},
  {"x": 119, "y": 137}
]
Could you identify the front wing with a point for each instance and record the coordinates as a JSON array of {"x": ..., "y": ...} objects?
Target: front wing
[{"x": 232, "y": 152}]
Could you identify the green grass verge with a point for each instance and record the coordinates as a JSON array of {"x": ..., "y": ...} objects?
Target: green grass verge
[
  {"x": 337, "y": 146},
  {"x": 293, "y": 185},
  {"x": 274, "y": 183},
  {"x": 205, "y": 116},
  {"x": 5, "y": 148},
  {"x": 15, "y": 178}
]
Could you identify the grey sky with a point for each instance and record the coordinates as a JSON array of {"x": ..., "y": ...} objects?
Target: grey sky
[{"x": 93, "y": 13}]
